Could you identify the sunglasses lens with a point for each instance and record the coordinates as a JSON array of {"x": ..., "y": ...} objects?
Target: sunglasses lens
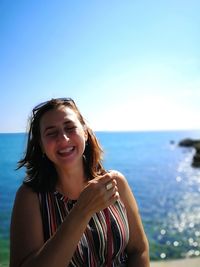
[{"x": 62, "y": 99}]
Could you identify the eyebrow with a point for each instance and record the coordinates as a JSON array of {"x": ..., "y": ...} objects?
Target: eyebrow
[{"x": 54, "y": 126}]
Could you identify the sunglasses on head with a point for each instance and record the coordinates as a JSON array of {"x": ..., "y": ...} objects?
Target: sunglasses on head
[{"x": 61, "y": 99}]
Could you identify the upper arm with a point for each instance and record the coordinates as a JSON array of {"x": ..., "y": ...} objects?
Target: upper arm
[
  {"x": 137, "y": 237},
  {"x": 26, "y": 232}
]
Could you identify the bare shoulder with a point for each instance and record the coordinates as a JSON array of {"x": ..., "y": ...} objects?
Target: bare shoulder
[
  {"x": 26, "y": 232},
  {"x": 125, "y": 191},
  {"x": 25, "y": 191},
  {"x": 26, "y": 205},
  {"x": 118, "y": 176},
  {"x": 24, "y": 196},
  {"x": 122, "y": 182}
]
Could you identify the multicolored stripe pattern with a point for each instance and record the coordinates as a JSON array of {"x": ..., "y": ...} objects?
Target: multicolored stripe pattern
[{"x": 92, "y": 249}]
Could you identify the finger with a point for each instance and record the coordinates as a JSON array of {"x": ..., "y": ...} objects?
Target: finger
[
  {"x": 104, "y": 178},
  {"x": 109, "y": 185},
  {"x": 111, "y": 192},
  {"x": 114, "y": 197}
]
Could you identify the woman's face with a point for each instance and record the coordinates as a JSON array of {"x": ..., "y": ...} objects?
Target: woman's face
[{"x": 62, "y": 137}]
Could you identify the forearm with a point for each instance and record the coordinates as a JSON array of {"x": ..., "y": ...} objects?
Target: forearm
[{"x": 59, "y": 249}]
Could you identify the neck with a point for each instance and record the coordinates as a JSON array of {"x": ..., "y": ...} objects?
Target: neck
[{"x": 71, "y": 182}]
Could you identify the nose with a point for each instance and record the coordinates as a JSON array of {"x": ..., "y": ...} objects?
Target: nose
[{"x": 63, "y": 136}]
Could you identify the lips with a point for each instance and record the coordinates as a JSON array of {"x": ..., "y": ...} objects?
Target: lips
[{"x": 66, "y": 151}]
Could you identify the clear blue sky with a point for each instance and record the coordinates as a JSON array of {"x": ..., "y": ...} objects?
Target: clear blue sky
[{"x": 129, "y": 65}]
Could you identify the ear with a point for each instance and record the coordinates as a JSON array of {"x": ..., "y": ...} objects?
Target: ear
[{"x": 85, "y": 133}]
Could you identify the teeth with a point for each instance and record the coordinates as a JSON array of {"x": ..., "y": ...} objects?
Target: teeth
[{"x": 66, "y": 150}]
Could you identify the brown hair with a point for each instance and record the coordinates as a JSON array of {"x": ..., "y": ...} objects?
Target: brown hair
[{"x": 41, "y": 174}]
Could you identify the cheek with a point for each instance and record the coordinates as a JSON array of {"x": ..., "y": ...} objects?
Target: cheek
[
  {"x": 83, "y": 133},
  {"x": 84, "y": 137},
  {"x": 46, "y": 145}
]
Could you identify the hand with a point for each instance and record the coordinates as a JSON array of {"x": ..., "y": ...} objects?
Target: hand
[{"x": 99, "y": 193}]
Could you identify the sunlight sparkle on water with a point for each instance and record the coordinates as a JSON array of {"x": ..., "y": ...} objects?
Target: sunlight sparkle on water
[
  {"x": 176, "y": 243},
  {"x": 163, "y": 255},
  {"x": 163, "y": 231}
]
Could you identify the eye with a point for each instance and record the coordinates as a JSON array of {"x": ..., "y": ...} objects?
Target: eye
[
  {"x": 70, "y": 128},
  {"x": 52, "y": 134}
]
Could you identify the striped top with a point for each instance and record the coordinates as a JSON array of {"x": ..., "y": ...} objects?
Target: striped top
[{"x": 105, "y": 236}]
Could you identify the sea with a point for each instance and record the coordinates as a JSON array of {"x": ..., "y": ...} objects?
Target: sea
[{"x": 159, "y": 172}]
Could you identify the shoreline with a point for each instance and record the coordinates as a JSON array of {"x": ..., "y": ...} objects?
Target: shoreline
[{"x": 188, "y": 262}]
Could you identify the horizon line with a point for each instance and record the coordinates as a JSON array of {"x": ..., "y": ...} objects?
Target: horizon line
[{"x": 123, "y": 131}]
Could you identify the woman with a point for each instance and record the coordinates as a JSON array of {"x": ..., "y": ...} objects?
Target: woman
[{"x": 70, "y": 211}]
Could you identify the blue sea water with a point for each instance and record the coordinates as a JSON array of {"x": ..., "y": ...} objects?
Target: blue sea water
[{"x": 166, "y": 187}]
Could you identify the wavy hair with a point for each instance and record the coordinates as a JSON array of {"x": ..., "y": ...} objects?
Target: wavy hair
[{"x": 41, "y": 174}]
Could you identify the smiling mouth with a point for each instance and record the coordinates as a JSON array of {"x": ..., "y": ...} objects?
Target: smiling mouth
[{"x": 66, "y": 150}]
